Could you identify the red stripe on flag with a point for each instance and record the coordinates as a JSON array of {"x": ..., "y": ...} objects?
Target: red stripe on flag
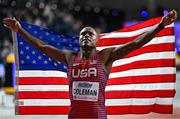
[
  {"x": 142, "y": 79},
  {"x": 111, "y": 81},
  {"x": 141, "y": 109},
  {"x": 111, "y": 110},
  {"x": 109, "y": 94},
  {"x": 118, "y": 41},
  {"x": 43, "y": 95},
  {"x": 152, "y": 48},
  {"x": 139, "y": 94},
  {"x": 42, "y": 81},
  {"x": 33, "y": 110},
  {"x": 144, "y": 64}
]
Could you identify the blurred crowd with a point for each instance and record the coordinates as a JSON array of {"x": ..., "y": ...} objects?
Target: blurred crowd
[{"x": 59, "y": 16}]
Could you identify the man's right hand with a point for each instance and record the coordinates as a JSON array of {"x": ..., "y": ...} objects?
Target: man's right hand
[{"x": 12, "y": 24}]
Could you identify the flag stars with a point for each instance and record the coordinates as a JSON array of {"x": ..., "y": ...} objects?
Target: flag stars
[
  {"x": 58, "y": 44},
  {"x": 45, "y": 62},
  {"x": 49, "y": 59},
  {"x": 33, "y": 52},
  {"x": 65, "y": 67},
  {"x": 76, "y": 41},
  {"x": 58, "y": 36},
  {"x": 40, "y": 37},
  {"x": 70, "y": 45},
  {"x": 55, "y": 64},
  {"x": 34, "y": 61},
  {"x": 76, "y": 49},
  {"x": 29, "y": 26},
  {"x": 22, "y": 61},
  {"x": 27, "y": 47},
  {"x": 52, "y": 39},
  {"x": 21, "y": 52},
  {"x": 39, "y": 57},
  {"x": 27, "y": 57},
  {"x": 41, "y": 29},
  {"x": 21, "y": 43},
  {"x": 35, "y": 32},
  {"x": 64, "y": 40},
  {"x": 47, "y": 33}
]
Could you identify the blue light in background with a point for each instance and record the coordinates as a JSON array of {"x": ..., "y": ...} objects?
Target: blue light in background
[
  {"x": 144, "y": 14},
  {"x": 165, "y": 12}
]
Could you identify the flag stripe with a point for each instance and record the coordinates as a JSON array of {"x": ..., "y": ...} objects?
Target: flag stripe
[
  {"x": 142, "y": 25},
  {"x": 139, "y": 94},
  {"x": 156, "y": 40},
  {"x": 139, "y": 101},
  {"x": 114, "y": 41},
  {"x": 131, "y": 33},
  {"x": 151, "y": 48},
  {"x": 145, "y": 56},
  {"x": 142, "y": 79},
  {"x": 109, "y": 94},
  {"x": 112, "y": 81},
  {"x": 27, "y": 110},
  {"x": 132, "y": 72},
  {"x": 144, "y": 64},
  {"x": 42, "y": 73},
  {"x": 151, "y": 86},
  {"x": 143, "y": 109},
  {"x": 109, "y": 102},
  {"x": 42, "y": 80},
  {"x": 146, "y": 71},
  {"x": 43, "y": 88},
  {"x": 112, "y": 110}
]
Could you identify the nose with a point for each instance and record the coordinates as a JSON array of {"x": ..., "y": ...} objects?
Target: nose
[{"x": 86, "y": 35}]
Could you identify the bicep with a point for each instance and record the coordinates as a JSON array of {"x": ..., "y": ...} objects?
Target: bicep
[
  {"x": 120, "y": 52},
  {"x": 55, "y": 53}
]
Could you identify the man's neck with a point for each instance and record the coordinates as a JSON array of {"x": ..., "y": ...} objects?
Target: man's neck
[{"x": 87, "y": 52}]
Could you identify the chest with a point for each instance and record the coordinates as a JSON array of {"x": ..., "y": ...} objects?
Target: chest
[{"x": 84, "y": 69}]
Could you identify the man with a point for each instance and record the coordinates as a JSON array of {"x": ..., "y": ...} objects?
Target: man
[{"x": 88, "y": 70}]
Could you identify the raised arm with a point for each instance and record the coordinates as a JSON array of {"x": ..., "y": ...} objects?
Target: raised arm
[
  {"x": 119, "y": 52},
  {"x": 108, "y": 56},
  {"x": 51, "y": 51}
]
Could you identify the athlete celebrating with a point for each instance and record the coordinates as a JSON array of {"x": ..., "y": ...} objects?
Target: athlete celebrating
[{"x": 88, "y": 69}]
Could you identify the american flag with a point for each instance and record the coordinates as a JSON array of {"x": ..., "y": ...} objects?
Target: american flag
[{"x": 142, "y": 82}]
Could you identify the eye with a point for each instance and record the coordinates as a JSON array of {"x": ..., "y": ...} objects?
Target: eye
[
  {"x": 90, "y": 33},
  {"x": 82, "y": 33}
]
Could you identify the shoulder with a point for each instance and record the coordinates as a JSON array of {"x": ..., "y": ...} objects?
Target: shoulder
[
  {"x": 105, "y": 54},
  {"x": 70, "y": 55},
  {"x": 106, "y": 51}
]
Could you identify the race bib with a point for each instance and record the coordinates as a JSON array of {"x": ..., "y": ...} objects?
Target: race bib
[{"x": 86, "y": 91}]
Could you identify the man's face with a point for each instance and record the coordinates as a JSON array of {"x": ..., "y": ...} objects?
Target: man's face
[{"x": 88, "y": 37}]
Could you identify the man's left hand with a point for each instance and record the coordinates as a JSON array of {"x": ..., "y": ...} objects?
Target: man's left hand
[{"x": 169, "y": 18}]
